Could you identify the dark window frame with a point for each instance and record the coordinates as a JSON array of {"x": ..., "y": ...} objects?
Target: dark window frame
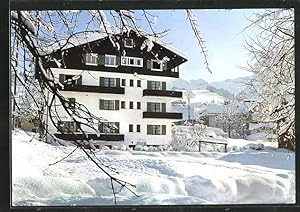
[
  {"x": 123, "y": 105},
  {"x": 131, "y": 83},
  {"x": 130, "y": 128},
  {"x": 123, "y": 82},
  {"x": 131, "y": 43},
  {"x": 130, "y": 105},
  {"x": 138, "y": 128},
  {"x": 138, "y": 105}
]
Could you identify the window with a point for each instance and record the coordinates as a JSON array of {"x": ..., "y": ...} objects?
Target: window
[
  {"x": 123, "y": 104},
  {"x": 123, "y": 82},
  {"x": 138, "y": 105},
  {"x": 130, "y": 127},
  {"x": 91, "y": 59},
  {"x": 153, "y": 85},
  {"x": 156, "y": 85},
  {"x": 109, "y": 82},
  {"x": 131, "y": 61},
  {"x": 109, "y": 127},
  {"x": 72, "y": 103},
  {"x": 128, "y": 42},
  {"x": 139, "y": 83},
  {"x": 156, "y": 66},
  {"x": 130, "y": 105},
  {"x": 156, "y": 107},
  {"x": 68, "y": 126},
  {"x": 131, "y": 83},
  {"x": 138, "y": 128},
  {"x": 110, "y": 60},
  {"x": 156, "y": 129},
  {"x": 109, "y": 104}
]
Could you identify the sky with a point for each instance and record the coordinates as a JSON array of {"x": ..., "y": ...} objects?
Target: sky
[{"x": 223, "y": 33}]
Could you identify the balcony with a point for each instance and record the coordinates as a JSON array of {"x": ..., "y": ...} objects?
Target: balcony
[
  {"x": 166, "y": 93},
  {"x": 103, "y": 137},
  {"x": 162, "y": 115},
  {"x": 94, "y": 89}
]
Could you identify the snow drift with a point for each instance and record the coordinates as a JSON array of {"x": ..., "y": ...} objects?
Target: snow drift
[{"x": 248, "y": 176}]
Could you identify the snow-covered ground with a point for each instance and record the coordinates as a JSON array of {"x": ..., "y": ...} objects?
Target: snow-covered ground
[{"x": 240, "y": 176}]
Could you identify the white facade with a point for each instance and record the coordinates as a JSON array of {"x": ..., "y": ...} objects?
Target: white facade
[{"x": 125, "y": 116}]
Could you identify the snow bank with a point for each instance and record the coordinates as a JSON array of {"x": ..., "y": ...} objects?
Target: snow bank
[
  {"x": 50, "y": 187},
  {"x": 251, "y": 176},
  {"x": 245, "y": 189}
]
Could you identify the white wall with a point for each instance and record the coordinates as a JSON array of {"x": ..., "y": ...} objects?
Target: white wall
[{"x": 124, "y": 116}]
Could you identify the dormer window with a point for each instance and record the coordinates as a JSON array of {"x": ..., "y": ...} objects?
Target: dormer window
[
  {"x": 128, "y": 42},
  {"x": 91, "y": 59},
  {"x": 156, "y": 66},
  {"x": 110, "y": 60},
  {"x": 131, "y": 61}
]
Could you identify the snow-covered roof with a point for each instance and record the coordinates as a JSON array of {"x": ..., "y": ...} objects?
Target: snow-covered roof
[
  {"x": 97, "y": 35},
  {"x": 242, "y": 108},
  {"x": 213, "y": 108},
  {"x": 162, "y": 43},
  {"x": 73, "y": 41}
]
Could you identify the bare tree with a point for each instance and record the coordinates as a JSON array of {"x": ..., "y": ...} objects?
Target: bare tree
[
  {"x": 272, "y": 53},
  {"x": 36, "y": 35},
  {"x": 232, "y": 119}
]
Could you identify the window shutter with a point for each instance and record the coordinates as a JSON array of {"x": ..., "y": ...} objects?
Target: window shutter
[
  {"x": 123, "y": 82},
  {"x": 149, "y": 132},
  {"x": 79, "y": 80},
  {"x": 148, "y": 64},
  {"x": 117, "y": 102},
  {"x": 118, "y": 61},
  {"x": 149, "y": 85},
  {"x": 83, "y": 58},
  {"x": 101, "y": 59},
  {"x": 163, "y": 85},
  {"x": 164, "y": 66},
  {"x": 163, "y": 129},
  {"x": 163, "y": 107},
  {"x": 61, "y": 78},
  {"x": 100, "y": 127},
  {"x": 148, "y": 106},
  {"x": 118, "y": 82},
  {"x": 118, "y": 126},
  {"x": 123, "y": 104},
  {"x": 101, "y": 103},
  {"x": 101, "y": 81}
]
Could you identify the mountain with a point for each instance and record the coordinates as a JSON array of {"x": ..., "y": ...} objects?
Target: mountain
[
  {"x": 225, "y": 88},
  {"x": 182, "y": 84},
  {"x": 234, "y": 86}
]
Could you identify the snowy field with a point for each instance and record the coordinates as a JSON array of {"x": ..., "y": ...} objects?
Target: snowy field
[
  {"x": 203, "y": 96},
  {"x": 161, "y": 178}
]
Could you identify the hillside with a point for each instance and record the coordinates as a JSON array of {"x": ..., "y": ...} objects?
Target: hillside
[{"x": 224, "y": 88}]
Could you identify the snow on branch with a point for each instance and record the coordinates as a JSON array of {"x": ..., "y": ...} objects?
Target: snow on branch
[{"x": 193, "y": 22}]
